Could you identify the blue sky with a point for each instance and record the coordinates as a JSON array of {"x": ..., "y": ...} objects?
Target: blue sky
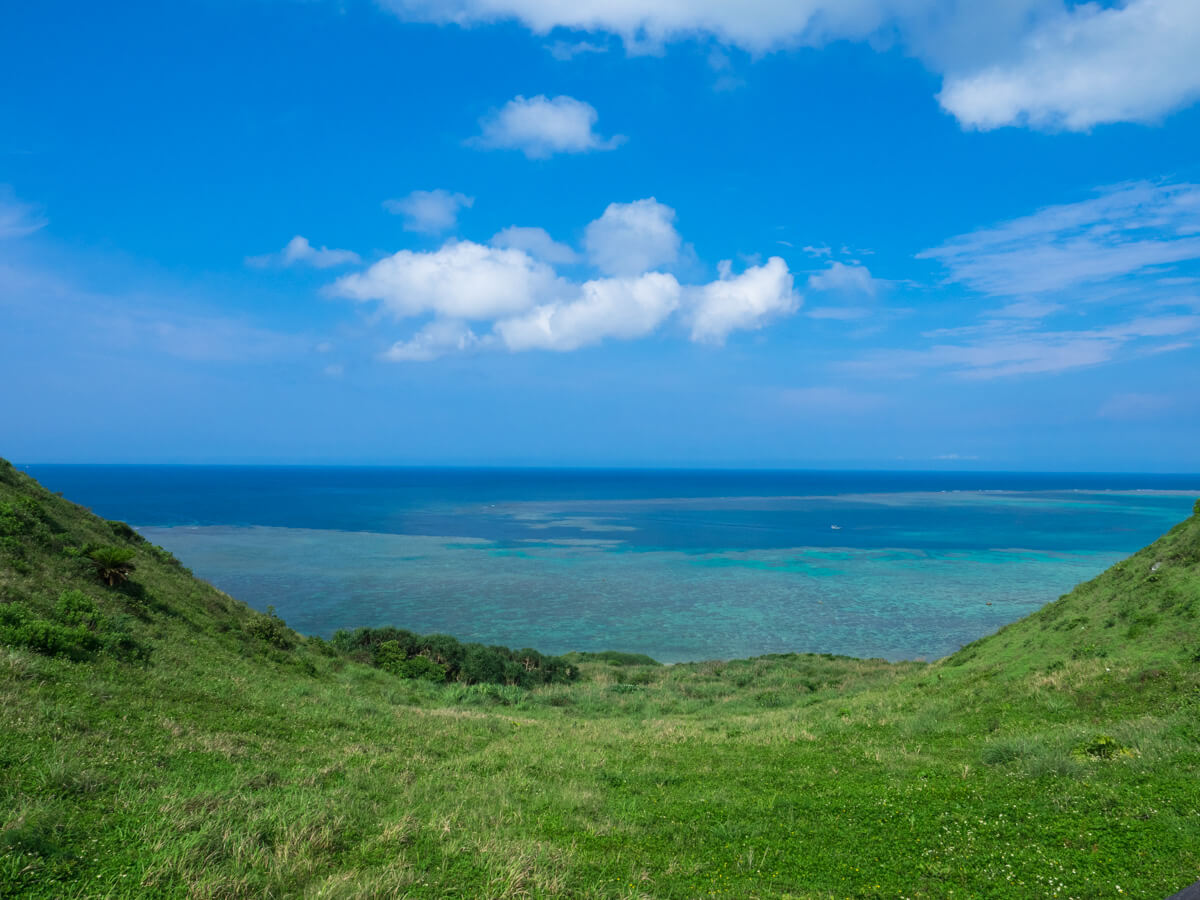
[{"x": 887, "y": 233}]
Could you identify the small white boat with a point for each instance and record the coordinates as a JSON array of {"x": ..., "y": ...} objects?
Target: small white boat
[{"x": 836, "y": 527}]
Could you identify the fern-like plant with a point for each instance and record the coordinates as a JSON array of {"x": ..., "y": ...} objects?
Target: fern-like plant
[{"x": 113, "y": 564}]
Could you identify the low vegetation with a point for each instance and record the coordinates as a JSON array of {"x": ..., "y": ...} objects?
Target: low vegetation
[
  {"x": 162, "y": 739},
  {"x": 441, "y": 658}
]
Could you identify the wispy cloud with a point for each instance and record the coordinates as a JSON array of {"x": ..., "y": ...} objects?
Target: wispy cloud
[
  {"x": 436, "y": 339},
  {"x": 1001, "y": 351},
  {"x": 849, "y": 292},
  {"x": 299, "y": 252},
  {"x": 565, "y": 51},
  {"x": 18, "y": 219},
  {"x": 847, "y": 280},
  {"x": 429, "y": 212},
  {"x": 1123, "y": 231},
  {"x": 137, "y": 322}
]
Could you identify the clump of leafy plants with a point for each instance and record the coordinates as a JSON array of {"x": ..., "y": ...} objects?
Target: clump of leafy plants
[
  {"x": 1102, "y": 747},
  {"x": 270, "y": 628},
  {"x": 440, "y": 657},
  {"x": 75, "y": 629},
  {"x": 112, "y": 565}
]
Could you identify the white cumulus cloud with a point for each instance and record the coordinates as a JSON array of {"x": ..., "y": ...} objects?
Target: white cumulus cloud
[
  {"x": 622, "y": 308},
  {"x": 536, "y": 242},
  {"x": 742, "y": 302},
  {"x": 631, "y": 238},
  {"x": 462, "y": 280},
  {"x": 541, "y": 126},
  {"x": 429, "y": 212},
  {"x": 1088, "y": 66},
  {"x": 509, "y": 295}
]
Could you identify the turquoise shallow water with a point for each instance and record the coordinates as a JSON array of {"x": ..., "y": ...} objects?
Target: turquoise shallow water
[
  {"x": 678, "y": 564},
  {"x": 675, "y": 606}
]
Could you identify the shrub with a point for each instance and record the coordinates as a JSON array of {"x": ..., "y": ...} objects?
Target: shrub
[
  {"x": 76, "y": 608},
  {"x": 20, "y": 627},
  {"x": 422, "y": 667},
  {"x": 482, "y": 664},
  {"x": 389, "y": 656},
  {"x": 125, "y": 531},
  {"x": 112, "y": 564},
  {"x": 394, "y": 650},
  {"x": 273, "y": 630},
  {"x": 76, "y": 629}
]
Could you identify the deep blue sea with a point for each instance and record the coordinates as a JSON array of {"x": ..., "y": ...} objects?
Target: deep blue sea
[{"x": 679, "y": 564}]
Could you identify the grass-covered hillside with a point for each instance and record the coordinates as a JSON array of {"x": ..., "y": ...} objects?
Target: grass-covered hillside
[{"x": 159, "y": 738}]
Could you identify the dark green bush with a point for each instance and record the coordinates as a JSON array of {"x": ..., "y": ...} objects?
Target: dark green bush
[
  {"x": 273, "y": 630},
  {"x": 125, "y": 531},
  {"x": 483, "y": 665},
  {"x": 421, "y": 667},
  {"x": 76, "y": 608},
  {"x": 395, "y": 650},
  {"x": 21, "y": 627},
  {"x": 389, "y": 656},
  {"x": 75, "y": 629}
]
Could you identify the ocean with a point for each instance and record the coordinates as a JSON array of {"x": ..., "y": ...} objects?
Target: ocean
[{"x": 678, "y": 564}]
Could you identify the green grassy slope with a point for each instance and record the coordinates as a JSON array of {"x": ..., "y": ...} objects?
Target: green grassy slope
[{"x": 178, "y": 745}]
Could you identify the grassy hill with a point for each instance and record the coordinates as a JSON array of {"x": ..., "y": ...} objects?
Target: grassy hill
[{"x": 160, "y": 738}]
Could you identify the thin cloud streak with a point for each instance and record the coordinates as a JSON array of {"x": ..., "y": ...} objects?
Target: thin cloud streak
[{"x": 1123, "y": 231}]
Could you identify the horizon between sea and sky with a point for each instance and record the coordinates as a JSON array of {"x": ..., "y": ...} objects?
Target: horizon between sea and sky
[
  {"x": 679, "y": 564},
  {"x": 872, "y": 235}
]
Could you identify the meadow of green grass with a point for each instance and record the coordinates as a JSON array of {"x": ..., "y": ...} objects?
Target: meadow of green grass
[{"x": 160, "y": 739}]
